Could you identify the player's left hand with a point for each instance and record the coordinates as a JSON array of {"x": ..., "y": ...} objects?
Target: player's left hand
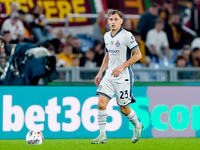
[{"x": 117, "y": 71}]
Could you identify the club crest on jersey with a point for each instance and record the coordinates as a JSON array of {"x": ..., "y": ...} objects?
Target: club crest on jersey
[
  {"x": 111, "y": 42},
  {"x": 117, "y": 44}
]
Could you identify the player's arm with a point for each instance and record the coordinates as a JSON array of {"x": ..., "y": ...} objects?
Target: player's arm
[
  {"x": 103, "y": 67},
  {"x": 104, "y": 64},
  {"x": 136, "y": 55}
]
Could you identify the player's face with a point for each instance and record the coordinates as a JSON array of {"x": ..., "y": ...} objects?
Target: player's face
[{"x": 115, "y": 22}]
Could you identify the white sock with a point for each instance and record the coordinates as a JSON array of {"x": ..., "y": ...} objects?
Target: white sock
[
  {"x": 133, "y": 118},
  {"x": 102, "y": 116}
]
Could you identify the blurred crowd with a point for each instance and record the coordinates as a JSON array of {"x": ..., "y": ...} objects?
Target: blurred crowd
[
  {"x": 163, "y": 40},
  {"x": 20, "y": 27},
  {"x": 159, "y": 33}
]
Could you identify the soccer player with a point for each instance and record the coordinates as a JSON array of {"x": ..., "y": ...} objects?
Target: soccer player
[{"x": 122, "y": 52}]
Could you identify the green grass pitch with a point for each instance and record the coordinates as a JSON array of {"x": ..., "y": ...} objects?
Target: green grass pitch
[{"x": 112, "y": 144}]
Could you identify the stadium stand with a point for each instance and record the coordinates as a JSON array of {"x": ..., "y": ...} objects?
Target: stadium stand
[{"x": 81, "y": 42}]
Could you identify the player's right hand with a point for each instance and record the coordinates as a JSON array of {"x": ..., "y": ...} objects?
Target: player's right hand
[{"x": 98, "y": 79}]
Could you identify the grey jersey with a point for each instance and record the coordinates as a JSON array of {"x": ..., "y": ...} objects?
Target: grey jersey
[{"x": 119, "y": 48}]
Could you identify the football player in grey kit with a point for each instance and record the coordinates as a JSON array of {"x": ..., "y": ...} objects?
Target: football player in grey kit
[{"x": 122, "y": 52}]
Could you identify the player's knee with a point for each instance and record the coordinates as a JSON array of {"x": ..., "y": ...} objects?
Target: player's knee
[{"x": 101, "y": 105}]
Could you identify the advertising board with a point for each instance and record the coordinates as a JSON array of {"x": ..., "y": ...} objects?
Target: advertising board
[{"x": 71, "y": 112}]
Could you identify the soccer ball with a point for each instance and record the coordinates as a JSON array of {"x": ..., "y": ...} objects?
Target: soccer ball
[{"x": 34, "y": 137}]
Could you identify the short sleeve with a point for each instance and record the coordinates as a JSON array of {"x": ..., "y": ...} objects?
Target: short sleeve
[{"x": 130, "y": 41}]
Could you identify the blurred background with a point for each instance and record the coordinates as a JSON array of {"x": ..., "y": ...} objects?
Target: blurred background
[
  {"x": 60, "y": 43},
  {"x": 72, "y": 31}
]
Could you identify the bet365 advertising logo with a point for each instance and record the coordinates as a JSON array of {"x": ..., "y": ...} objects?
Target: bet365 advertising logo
[
  {"x": 71, "y": 112},
  {"x": 35, "y": 113}
]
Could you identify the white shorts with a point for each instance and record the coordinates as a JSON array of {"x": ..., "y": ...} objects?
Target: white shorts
[{"x": 124, "y": 96}]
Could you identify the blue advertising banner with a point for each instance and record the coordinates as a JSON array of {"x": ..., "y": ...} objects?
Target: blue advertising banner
[{"x": 71, "y": 112}]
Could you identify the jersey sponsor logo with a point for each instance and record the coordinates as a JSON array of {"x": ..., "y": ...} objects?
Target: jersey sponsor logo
[
  {"x": 111, "y": 42},
  {"x": 117, "y": 44},
  {"x": 113, "y": 51}
]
